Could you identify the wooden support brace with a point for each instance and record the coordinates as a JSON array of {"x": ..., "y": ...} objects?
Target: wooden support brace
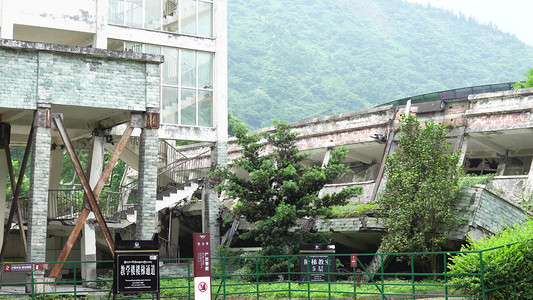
[{"x": 95, "y": 193}]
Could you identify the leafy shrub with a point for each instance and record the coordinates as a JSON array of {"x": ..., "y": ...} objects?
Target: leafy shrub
[
  {"x": 507, "y": 258},
  {"x": 528, "y": 82}
]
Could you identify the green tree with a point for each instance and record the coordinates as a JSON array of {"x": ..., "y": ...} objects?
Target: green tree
[
  {"x": 279, "y": 188},
  {"x": 528, "y": 82},
  {"x": 422, "y": 182}
]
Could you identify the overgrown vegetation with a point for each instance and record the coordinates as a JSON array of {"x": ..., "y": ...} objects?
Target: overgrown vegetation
[
  {"x": 422, "y": 181},
  {"x": 471, "y": 180},
  {"x": 508, "y": 258},
  {"x": 292, "y": 60},
  {"x": 351, "y": 210},
  {"x": 278, "y": 189},
  {"x": 528, "y": 81}
]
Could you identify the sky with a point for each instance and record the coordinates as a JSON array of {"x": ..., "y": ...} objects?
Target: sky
[{"x": 512, "y": 16}]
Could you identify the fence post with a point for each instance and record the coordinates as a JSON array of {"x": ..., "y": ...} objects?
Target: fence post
[
  {"x": 382, "y": 277},
  {"x": 289, "y": 274},
  {"x": 224, "y": 276},
  {"x": 446, "y": 275},
  {"x": 75, "y": 281},
  {"x": 482, "y": 276},
  {"x": 257, "y": 275},
  {"x": 329, "y": 275},
  {"x": 413, "y": 274}
]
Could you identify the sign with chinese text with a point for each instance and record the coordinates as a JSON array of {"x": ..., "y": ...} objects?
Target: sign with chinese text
[
  {"x": 202, "y": 254},
  {"x": 317, "y": 262},
  {"x": 353, "y": 260},
  {"x": 202, "y": 265},
  {"x": 18, "y": 267},
  {"x": 136, "y": 266}
]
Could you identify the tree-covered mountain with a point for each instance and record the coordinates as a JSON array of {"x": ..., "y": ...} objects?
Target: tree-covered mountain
[{"x": 292, "y": 60}]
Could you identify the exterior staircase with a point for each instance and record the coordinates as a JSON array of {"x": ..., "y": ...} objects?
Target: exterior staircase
[{"x": 179, "y": 178}]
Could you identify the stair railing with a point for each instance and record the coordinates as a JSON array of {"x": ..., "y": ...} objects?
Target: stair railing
[{"x": 181, "y": 168}]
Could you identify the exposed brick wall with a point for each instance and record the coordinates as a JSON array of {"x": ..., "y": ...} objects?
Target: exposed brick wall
[
  {"x": 146, "y": 207},
  {"x": 106, "y": 80},
  {"x": 500, "y": 121},
  {"x": 40, "y": 172}
]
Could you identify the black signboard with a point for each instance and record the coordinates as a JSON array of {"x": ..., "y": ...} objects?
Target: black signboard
[
  {"x": 317, "y": 262},
  {"x": 136, "y": 266}
]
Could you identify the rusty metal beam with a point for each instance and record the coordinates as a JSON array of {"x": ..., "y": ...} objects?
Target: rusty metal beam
[
  {"x": 84, "y": 182},
  {"x": 15, "y": 189},
  {"x": 85, "y": 212}
]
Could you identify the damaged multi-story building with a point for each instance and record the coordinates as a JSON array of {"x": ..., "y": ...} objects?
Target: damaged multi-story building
[
  {"x": 129, "y": 79},
  {"x": 126, "y": 78}
]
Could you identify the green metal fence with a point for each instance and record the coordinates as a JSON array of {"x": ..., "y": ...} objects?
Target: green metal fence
[{"x": 258, "y": 277}]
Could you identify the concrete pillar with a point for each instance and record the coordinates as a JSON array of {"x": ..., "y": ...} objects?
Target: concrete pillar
[
  {"x": 3, "y": 188},
  {"x": 88, "y": 240},
  {"x": 56, "y": 162},
  {"x": 528, "y": 191},
  {"x": 146, "y": 205},
  {"x": 100, "y": 37},
  {"x": 219, "y": 154},
  {"x": 464, "y": 147},
  {"x": 6, "y": 19},
  {"x": 39, "y": 179}
]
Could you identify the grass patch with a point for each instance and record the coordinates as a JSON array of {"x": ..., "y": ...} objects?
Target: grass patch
[
  {"x": 350, "y": 210},
  {"x": 280, "y": 289}
]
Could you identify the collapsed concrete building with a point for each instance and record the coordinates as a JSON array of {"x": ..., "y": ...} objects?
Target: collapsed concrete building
[{"x": 491, "y": 125}]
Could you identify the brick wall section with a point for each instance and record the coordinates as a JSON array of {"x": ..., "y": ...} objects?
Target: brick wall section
[
  {"x": 18, "y": 81},
  {"x": 146, "y": 207},
  {"x": 76, "y": 76},
  {"x": 40, "y": 165},
  {"x": 152, "y": 85},
  {"x": 481, "y": 209},
  {"x": 500, "y": 121}
]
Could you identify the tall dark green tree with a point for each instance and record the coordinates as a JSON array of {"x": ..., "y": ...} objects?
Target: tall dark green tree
[
  {"x": 279, "y": 189},
  {"x": 422, "y": 182}
]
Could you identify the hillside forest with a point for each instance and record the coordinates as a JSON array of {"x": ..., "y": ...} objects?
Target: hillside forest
[{"x": 293, "y": 60}]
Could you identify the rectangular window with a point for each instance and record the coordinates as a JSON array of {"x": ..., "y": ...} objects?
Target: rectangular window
[
  {"x": 191, "y": 17},
  {"x": 188, "y": 17},
  {"x": 205, "y": 19},
  {"x": 133, "y": 13},
  {"x": 152, "y": 14},
  {"x": 186, "y": 85},
  {"x": 170, "y": 66},
  {"x": 116, "y": 12},
  {"x": 188, "y": 68},
  {"x": 205, "y": 108},
  {"x": 169, "y": 105},
  {"x": 188, "y": 107}
]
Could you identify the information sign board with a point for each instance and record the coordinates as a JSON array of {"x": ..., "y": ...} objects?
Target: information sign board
[
  {"x": 202, "y": 266},
  {"x": 136, "y": 266},
  {"x": 202, "y": 254},
  {"x": 316, "y": 265},
  {"x": 18, "y": 267}
]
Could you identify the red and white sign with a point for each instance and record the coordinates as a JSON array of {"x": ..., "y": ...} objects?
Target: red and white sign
[
  {"x": 202, "y": 290},
  {"x": 41, "y": 266},
  {"x": 202, "y": 265},
  {"x": 18, "y": 267},
  {"x": 353, "y": 260}
]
